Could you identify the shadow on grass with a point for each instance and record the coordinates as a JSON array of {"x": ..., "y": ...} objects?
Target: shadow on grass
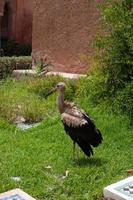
[{"x": 90, "y": 162}]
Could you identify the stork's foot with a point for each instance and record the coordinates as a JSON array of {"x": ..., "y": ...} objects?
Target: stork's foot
[
  {"x": 75, "y": 153},
  {"x": 74, "y": 150}
]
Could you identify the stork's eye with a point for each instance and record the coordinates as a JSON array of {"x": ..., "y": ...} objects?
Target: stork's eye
[{"x": 57, "y": 86}]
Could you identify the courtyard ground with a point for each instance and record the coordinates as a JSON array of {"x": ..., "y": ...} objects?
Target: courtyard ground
[{"x": 41, "y": 156}]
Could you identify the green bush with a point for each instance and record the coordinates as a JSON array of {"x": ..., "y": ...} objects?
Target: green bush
[
  {"x": 111, "y": 81},
  {"x": 116, "y": 45},
  {"x": 8, "y": 64},
  {"x": 93, "y": 88},
  {"x": 41, "y": 87},
  {"x": 124, "y": 101},
  {"x": 92, "y": 91},
  {"x": 16, "y": 101},
  {"x": 26, "y": 97}
]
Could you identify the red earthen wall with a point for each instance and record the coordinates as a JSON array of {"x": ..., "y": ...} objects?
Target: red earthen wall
[
  {"x": 24, "y": 21},
  {"x": 64, "y": 30},
  {"x": 12, "y": 16},
  {"x": 1, "y": 7},
  {"x": 20, "y": 22}
]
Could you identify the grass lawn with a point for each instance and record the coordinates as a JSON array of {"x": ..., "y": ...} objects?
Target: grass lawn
[{"x": 27, "y": 154}]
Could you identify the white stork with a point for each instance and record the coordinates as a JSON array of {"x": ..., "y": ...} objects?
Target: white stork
[{"x": 77, "y": 123}]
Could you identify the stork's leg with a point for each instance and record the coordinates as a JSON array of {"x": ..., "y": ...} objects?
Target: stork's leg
[
  {"x": 74, "y": 150},
  {"x": 77, "y": 153}
]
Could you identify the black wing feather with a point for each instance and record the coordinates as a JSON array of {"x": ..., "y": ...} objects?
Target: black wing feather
[{"x": 85, "y": 136}]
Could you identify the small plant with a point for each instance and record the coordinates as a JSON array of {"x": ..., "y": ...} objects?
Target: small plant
[{"x": 41, "y": 65}]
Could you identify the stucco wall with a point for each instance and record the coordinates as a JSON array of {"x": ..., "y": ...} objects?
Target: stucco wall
[
  {"x": 20, "y": 20},
  {"x": 24, "y": 21},
  {"x": 1, "y": 7},
  {"x": 11, "y": 16},
  {"x": 64, "y": 30}
]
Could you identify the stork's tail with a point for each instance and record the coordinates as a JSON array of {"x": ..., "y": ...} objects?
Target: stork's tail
[
  {"x": 97, "y": 139},
  {"x": 85, "y": 147},
  {"x": 96, "y": 136}
]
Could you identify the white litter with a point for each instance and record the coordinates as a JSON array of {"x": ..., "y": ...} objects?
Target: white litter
[
  {"x": 65, "y": 175},
  {"x": 16, "y": 179}
]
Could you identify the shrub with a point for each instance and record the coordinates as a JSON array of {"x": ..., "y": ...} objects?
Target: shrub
[
  {"x": 8, "y": 64},
  {"x": 124, "y": 101},
  {"x": 25, "y": 98},
  {"x": 92, "y": 91},
  {"x": 116, "y": 46},
  {"x": 41, "y": 87},
  {"x": 110, "y": 81},
  {"x": 93, "y": 88},
  {"x": 16, "y": 101}
]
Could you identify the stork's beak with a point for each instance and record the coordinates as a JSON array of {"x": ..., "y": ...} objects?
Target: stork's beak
[{"x": 51, "y": 92}]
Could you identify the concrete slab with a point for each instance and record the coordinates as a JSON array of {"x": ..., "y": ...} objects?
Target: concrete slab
[
  {"x": 31, "y": 72},
  {"x": 122, "y": 190},
  {"x": 23, "y": 72},
  {"x": 16, "y": 194},
  {"x": 66, "y": 75}
]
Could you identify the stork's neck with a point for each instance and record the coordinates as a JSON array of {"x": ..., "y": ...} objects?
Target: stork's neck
[{"x": 60, "y": 102}]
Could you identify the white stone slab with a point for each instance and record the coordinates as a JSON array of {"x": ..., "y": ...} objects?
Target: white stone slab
[
  {"x": 66, "y": 75},
  {"x": 121, "y": 190},
  {"x": 24, "y": 72},
  {"x": 16, "y": 194},
  {"x": 31, "y": 72}
]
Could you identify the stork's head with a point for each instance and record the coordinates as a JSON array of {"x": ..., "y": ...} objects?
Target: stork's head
[{"x": 60, "y": 87}]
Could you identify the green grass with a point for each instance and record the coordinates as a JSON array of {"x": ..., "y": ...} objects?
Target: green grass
[{"x": 27, "y": 154}]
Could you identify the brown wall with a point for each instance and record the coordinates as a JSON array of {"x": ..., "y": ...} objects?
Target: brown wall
[
  {"x": 10, "y": 31},
  {"x": 1, "y": 7},
  {"x": 20, "y": 20},
  {"x": 64, "y": 30},
  {"x": 24, "y": 21}
]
